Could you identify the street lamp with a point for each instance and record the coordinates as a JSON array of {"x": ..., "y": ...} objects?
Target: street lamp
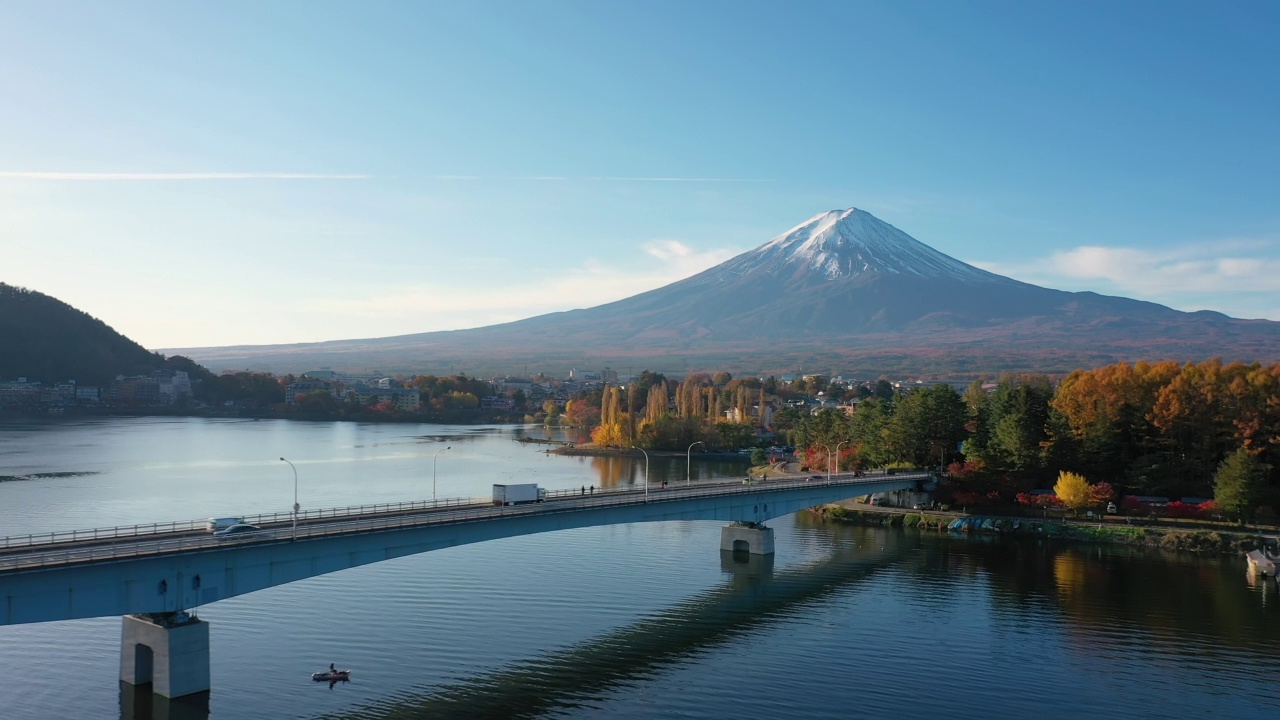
[
  {"x": 828, "y": 447},
  {"x": 433, "y": 472},
  {"x": 842, "y": 442},
  {"x": 646, "y": 472},
  {"x": 296, "y": 507},
  {"x": 688, "y": 476}
]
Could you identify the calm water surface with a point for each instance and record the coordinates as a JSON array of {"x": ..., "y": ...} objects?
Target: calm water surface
[{"x": 626, "y": 621}]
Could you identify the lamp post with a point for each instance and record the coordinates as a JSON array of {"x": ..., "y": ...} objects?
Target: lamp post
[
  {"x": 433, "y": 472},
  {"x": 688, "y": 454},
  {"x": 842, "y": 442},
  {"x": 828, "y": 448},
  {"x": 296, "y": 507},
  {"x": 646, "y": 472}
]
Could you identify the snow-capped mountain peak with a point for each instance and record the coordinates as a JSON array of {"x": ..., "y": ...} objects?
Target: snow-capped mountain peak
[{"x": 852, "y": 242}]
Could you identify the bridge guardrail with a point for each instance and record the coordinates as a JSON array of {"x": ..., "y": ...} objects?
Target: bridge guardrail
[
  {"x": 140, "y": 530},
  {"x": 360, "y": 522}
]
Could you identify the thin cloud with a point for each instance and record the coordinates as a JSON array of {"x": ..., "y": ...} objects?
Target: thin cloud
[
  {"x": 155, "y": 176},
  {"x": 1223, "y": 275},
  {"x": 599, "y": 178},
  {"x": 1192, "y": 268},
  {"x": 151, "y": 177},
  {"x": 593, "y": 283}
]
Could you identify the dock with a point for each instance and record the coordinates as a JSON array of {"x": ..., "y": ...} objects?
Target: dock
[
  {"x": 1260, "y": 563},
  {"x": 557, "y": 443}
]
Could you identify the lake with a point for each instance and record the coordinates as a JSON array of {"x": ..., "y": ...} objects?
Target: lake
[{"x": 625, "y": 621}]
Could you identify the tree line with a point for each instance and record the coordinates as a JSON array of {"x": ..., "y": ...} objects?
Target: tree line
[{"x": 1159, "y": 429}]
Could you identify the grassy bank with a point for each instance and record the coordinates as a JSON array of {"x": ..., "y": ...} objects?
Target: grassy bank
[{"x": 1205, "y": 541}]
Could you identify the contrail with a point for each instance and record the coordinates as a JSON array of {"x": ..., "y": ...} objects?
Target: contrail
[{"x": 145, "y": 177}]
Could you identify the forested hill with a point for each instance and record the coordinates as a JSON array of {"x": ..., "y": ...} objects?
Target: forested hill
[{"x": 45, "y": 339}]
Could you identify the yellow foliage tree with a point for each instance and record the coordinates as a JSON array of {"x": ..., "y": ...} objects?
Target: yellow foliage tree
[
  {"x": 608, "y": 434},
  {"x": 1073, "y": 490}
]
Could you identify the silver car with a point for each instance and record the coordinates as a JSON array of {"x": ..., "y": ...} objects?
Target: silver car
[{"x": 239, "y": 530}]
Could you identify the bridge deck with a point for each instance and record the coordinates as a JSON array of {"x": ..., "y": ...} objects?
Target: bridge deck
[{"x": 92, "y": 546}]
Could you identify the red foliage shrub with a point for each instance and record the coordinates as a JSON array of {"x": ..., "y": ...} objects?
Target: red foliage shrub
[
  {"x": 1101, "y": 493},
  {"x": 1130, "y": 504},
  {"x": 968, "y": 468},
  {"x": 1040, "y": 501}
]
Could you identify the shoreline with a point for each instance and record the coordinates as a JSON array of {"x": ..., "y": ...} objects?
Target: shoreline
[
  {"x": 589, "y": 450},
  {"x": 1176, "y": 539}
]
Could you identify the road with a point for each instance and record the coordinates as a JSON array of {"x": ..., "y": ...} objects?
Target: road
[{"x": 86, "y": 546}]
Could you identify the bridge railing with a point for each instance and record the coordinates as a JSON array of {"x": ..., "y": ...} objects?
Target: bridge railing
[
  {"x": 111, "y": 533},
  {"x": 202, "y": 526},
  {"x": 366, "y": 517},
  {"x": 358, "y": 510}
]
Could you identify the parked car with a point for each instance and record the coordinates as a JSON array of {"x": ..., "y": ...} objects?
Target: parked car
[{"x": 237, "y": 531}]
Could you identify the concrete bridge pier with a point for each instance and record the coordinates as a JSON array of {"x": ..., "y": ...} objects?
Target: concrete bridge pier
[
  {"x": 169, "y": 650},
  {"x": 137, "y": 702},
  {"x": 750, "y": 537}
]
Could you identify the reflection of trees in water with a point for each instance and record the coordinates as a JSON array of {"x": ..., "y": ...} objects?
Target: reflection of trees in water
[
  {"x": 613, "y": 470},
  {"x": 1102, "y": 590},
  {"x": 1179, "y": 597},
  {"x": 627, "y": 470}
]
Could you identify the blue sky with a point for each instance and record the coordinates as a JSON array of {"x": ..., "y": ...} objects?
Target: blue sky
[{"x": 201, "y": 174}]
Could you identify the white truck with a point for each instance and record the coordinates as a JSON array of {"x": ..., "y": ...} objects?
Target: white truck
[
  {"x": 216, "y": 524},
  {"x": 518, "y": 494}
]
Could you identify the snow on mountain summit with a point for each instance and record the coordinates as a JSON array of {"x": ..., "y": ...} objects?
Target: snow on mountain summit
[{"x": 848, "y": 243}]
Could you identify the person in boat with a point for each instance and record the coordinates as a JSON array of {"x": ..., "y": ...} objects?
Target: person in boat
[{"x": 332, "y": 669}]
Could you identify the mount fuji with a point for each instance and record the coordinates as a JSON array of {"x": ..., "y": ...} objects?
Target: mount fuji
[{"x": 842, "y": 292}]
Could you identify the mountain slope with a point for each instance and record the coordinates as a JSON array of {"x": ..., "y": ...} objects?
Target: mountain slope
[
  {"x": 47, "y": 340},
  {"x": 843, "y": 291}
]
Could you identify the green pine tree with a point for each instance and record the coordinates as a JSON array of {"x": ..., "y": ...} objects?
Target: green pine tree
[{"x": 1237, "y": 486}]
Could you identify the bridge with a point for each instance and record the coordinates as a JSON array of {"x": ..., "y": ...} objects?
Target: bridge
[{"x": 154, "y": 574}]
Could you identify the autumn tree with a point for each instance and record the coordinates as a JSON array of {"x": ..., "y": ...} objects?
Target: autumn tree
[
  {"x": 1192, "y": 416},
  {"x": 656, "y": 406},
  {"x": 581, "y": 413},
  {"x": 610, "y": 432},
  {"x": 1101, "y": 493},
  {"x": 552, "y": 409},
  {"x": 1073, "y": 490}
]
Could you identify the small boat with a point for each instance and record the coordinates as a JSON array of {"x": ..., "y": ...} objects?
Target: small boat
[{"x": 332, "y": 676}]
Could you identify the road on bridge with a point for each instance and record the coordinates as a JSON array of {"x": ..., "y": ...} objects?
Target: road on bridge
[{"x": 105, "y": 544}]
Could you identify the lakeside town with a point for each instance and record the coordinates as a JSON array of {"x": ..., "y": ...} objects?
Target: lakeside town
[
  {"x": 169, "y": 391},
  {"x": 1186, "y": 441}
]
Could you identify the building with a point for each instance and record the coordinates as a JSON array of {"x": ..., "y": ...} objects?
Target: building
[
  {"x": 172, "y": 385},
  {"x": 137, "y": 391},
  {"x": 302, "y": 387},
  {"x": 19, "y": 393},
  {"x": 512, "y": 384},
  {"x": 407, "y": 399}
]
